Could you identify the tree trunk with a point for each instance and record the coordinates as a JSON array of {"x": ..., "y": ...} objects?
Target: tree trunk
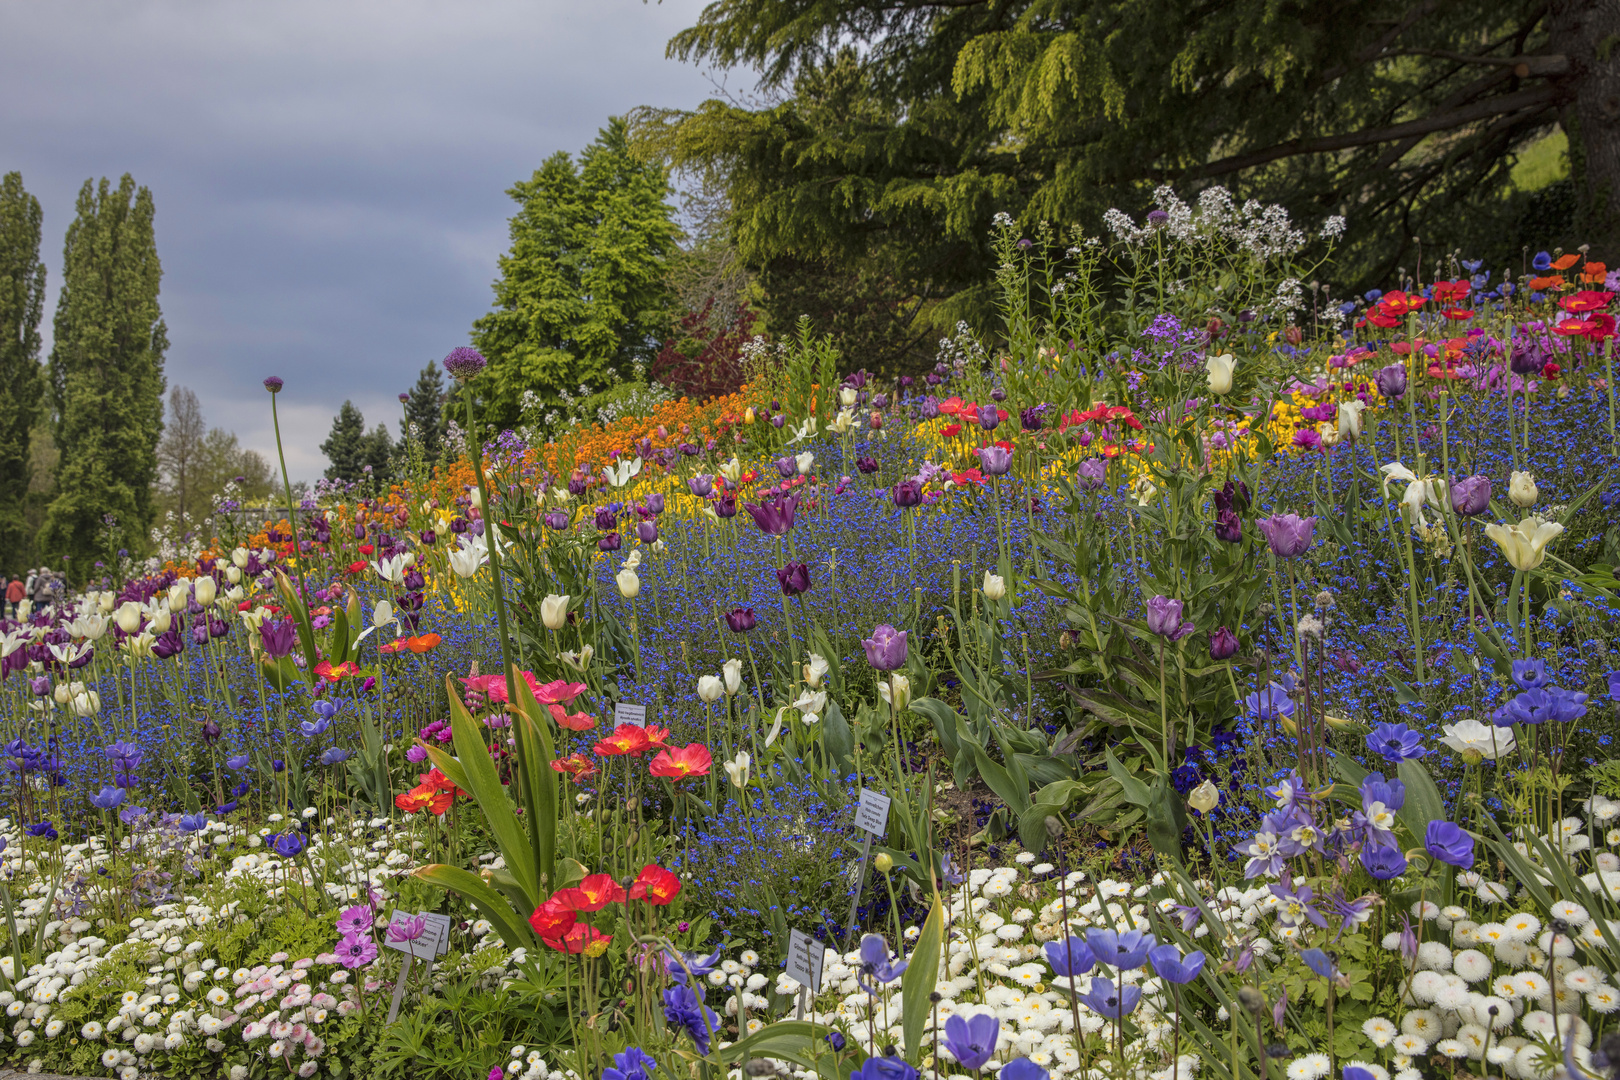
[{"x": 1588, "y": 32}]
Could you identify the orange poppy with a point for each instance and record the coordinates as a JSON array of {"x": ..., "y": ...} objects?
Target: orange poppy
[
  {"x": 414, "y": 644},
  {"x": 1564, "y": 262},
  {"x": 576, "y": 765},
  {"x": 1554, "y": 281}
]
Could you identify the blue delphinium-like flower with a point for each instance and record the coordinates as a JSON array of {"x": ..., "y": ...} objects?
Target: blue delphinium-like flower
[
  {"x": 1119, "y": 950},
  {"x": 1449, "y": 844},
  {"x": 1021, "y": 1068},
  {"x": 108, "y": 798},
  {"x": 1530, "y": 674},
  {"x": 699, "y": 966},
  {"x": 1070, "y": 957},
  {"x": 1396, "y": 742},
  {"x": 1171, "y": 966},
  {"x": 876, "y": 964},
  {"x": 631, "y": 1064},
  {"x": 1268, "y": 703}
]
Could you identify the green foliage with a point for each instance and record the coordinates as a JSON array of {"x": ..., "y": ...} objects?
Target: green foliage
[
  {"x": 22, "y": 303},
  {"x": 424, "y": 412},
  {"x": 351, "y": 449},
  {"x": 106, "y": 379},
  {"x": 581, "y": 299}
]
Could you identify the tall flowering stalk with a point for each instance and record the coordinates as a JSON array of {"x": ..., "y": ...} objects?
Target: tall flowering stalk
[{"x": 274, "y": 384}]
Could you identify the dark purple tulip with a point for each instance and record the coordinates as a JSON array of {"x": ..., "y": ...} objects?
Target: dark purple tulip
[
  {"x": 1471, "y": 496},
  {"x": 1233, "y": 495},
  {"x": 40, "y": 685},
  {"x": 274, "y": 384},
  {"x": 932, "y": 379},
  {"x": 778, "y": 420},
  {"x": 995, "y": 460},
  {"x": 795, "y": 578},
  {"x": 577, "y": 486},
  {"x": 998, "y": 394},
  {"x": 458, "y": 525},
  {"x": 856, "y": 379},
  {"x": 610, "y": 542},
  {"x": 886, "y": 648},
  {"x": 1030, "y": 419},
  {"x": 774, "y": 517},
  {"x": 647, "y": 531},
  {"x": 1529, "y": 355},
  {"x": 741, "y": 619},
  {"x": 688, "y": 449},
  {"x": 1223, "y": 644},
  {"x": 464, "y": 362},
  {"x": 700, "y": 485},
  {"x": 1288, "y": 534},
  {"x": 1391, "y": 381},
  {"x": 168, "y": 644},
  {"x": 655, "y": 503},
  {"x": 216, "y": 628},
  {"x": 989, "y": 417},
  {"x": 866, "y": 463},
  {"x": 278, "y": 637},
  {"x": 907, "y": 493},
  {"x": 786, "y": 466},
  {"x": 906, "y": 381},
  {"x": 880, "y": 401},
  {"x": 428, "y": 537},
  {"x": 210, "y": 732},
  {"x": 726, "y": 506},
  {"x": 199, "y": 634},
  {"x": 606, "y": 517},
  {"x": 1093, "y": 473},
  {"x": 557, "y": 519},
  {"x": 1229, "y": 527}
]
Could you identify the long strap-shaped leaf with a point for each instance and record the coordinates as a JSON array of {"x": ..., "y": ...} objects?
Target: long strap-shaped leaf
[
  {"x": 509, "y": 923},
  {"x": 486, "y": 787},
  {"x": 536, "y": 749},
  {"x": 917, "y": 982}
]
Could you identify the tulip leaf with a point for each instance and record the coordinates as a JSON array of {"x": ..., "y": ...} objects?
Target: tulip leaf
[
  {"x": 485, "y": 785},
  {"x": 1423, "y": 801},
  {"x": 836, "y": 737},
  {"x": 533, "y": 732},
  {"x": 340, "y": 637},
  {"x": 917, "y": 982},
  {"x": 995, "y": 776},
  {"x": 300, "y": 613},
  {"x": 1403, "y": 693},
  {"x": 491, "y": 904}
]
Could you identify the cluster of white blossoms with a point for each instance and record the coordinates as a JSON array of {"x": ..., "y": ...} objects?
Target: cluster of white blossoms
[
  {"x": 527, "y": 1064},
  {"x": 1261, "y": 231}
]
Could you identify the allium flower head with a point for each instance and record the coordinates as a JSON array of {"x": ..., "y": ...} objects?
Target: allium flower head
[
  {"x": 464, "y": 362},
  {"x": 274, "y": 384}
]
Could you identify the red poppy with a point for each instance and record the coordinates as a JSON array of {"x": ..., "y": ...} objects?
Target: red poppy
[
  {"x": 693, "y": 759},
  {"x": 1594, "y": 272},
  {"x": 655, "y": 885},
  {"x": 951, "y": 406},
  {"x": 594, "y": 893},
  {"x": 366, "y": 549},
  {"x": 572, "y": 721},
  {"x": 972, "y": 476},
  {"x": 950, "y": 431},
  {"x": 552, "y": 920},
  {"x": 657, "y": 736},
  {"x": 1452, "y": 291},
  {"x": 493, "y": 687},
  {"x": 576, "y": 765},
  {"x": 357, "y": 567},
  {"x": 336, "y": 674},
  {"x": 583, "y": 938},
  {"x": 626, "y": 739},
  {"x": 1005, "y": 445},
  {"x": 1582, "y": 302},
  {"x": 417, "y": 799},
  {"x": 1457, "y": 314}
]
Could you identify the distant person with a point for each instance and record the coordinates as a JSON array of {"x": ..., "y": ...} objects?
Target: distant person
[
  {"x": 33, "y": 579},
  {"x": 14, "y": 595},
  {"x": 42, "y": 590}
]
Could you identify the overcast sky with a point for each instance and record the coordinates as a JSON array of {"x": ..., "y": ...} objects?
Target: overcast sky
[{"x": 329, "y": 175}]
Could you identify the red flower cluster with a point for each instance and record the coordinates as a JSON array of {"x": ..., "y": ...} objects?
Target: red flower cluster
[
  {"x": 631, "y": 739},
  {"x": 434, "y": 793},
  {"x": 558, "y": 923}
]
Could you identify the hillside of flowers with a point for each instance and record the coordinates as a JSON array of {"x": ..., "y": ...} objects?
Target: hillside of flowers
[{"x": 1204, "y": 676}]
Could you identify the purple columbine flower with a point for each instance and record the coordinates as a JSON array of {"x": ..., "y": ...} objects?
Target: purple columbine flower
[
  {"x": 906, "y": 493},
  {"x": 795, "y": 578},
  {"x": 464, "y": 362},
  {"x": 1449, "y": 844},
  {"x": 741, "y": 619},
  {"x": 995, "y": 460},
  {"x": 274, "y": 384},
  {"x": 886, "y": 648},
  {"x": 1471, "y": 496},
  {"x": 1288, "y": 535},
  {"x": 1093, "y": 473}
]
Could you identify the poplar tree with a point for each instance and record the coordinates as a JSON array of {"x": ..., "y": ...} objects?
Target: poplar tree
[
  {"x": 106, "y": 379},
  {"x": 22, "y": 304}
]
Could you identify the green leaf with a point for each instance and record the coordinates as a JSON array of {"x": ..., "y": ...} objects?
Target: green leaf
[
  {"x": 515, "y": 931},
  {"x": 996, "y": 777},
  {"x": 485, "y": 785},
  {"x": 917, "y": 983},
  {"x": 1423, "y": 801},
  {"x": 836, "y": 737}
]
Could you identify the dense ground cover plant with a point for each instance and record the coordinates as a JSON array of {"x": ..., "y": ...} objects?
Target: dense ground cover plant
[{"x": 1236, "y": 673}]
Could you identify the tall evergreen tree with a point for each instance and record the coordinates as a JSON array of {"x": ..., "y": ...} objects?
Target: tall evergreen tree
[
  {"x": 22, "y": 304},
  {"x": 345, "y": 448},
  {"x": 424, "y": 410},
  {"x": 582, "y": 294},
  {"x": 106, "y": 378}
]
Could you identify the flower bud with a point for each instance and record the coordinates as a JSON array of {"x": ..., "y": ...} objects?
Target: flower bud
[
  {"x": 883, "y": 862},
  {"x": 1204, "y": 798}
]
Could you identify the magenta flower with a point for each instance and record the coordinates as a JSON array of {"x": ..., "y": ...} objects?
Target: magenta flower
[
  {"x": 774, "y": 517},
  {"x": 406, "y": 928},
  {"x": 355, "y": 920},
  {"x": 886, "y": 648},
  {"x": 274, "y": 384},
  {"x": 355, "y": 952}
]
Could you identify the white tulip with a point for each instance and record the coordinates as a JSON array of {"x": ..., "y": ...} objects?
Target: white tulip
[
  {"x": 621, "y": 474},
  {"x": 86, "y": 703},
  {"x": 803, "y": 462},
  {"x": 233, "y": 575},
  {"x": 1204, "y": 798},
  {"x": 1522, "y": 490},
  {"x": 737, "y": 769},
  {"x": 382, "y": 614},
  {"x": 161, "y": 620},
  {"x": 205, "y": 588},
  {"x": 995, "y": 587},
  {"x": 815, "y": 670},
  {"x": 1525, "y": 544},
  {"x": 1350, "y": 419},
  {"x": 466, "y": 560},
  {"x": 579, "y": 661},
  {"x": 128, "y": 616},
  {"x": 554, "y": 611},
  {"x": 709, "y": 688},
  {"x": 731, "y": 470},
  {"x": 629, "y": 584},
  {"x": 179, "y": 595},
  {"x": 847, "y": 396},
  {"x": 235, "y": 594},
  {"x": 896, "y": 691},
  {"x": 731, "y": 671},
  {"x": 1219, "y": 369},
  {"x": 25, "y": 609},
  {"x": 107, "y": 601}
]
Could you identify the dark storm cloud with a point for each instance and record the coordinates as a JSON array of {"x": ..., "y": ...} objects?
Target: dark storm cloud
[{"x": 329, "y": 176}]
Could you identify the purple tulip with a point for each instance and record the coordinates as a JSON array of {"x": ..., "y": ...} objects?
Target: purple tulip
[
  {"x": 1223, "y": 644},
  {"x": 1093, "y": 473},
  {"x": 700, "y": 485},
  {"x": 557, "y": 519},
  {"x": 907, "y": 493},
  {"x": 1229, "y": 527},
  {"x": 655, "y": 503},
  {"x": 278, "y": 637},
  {"x": 168, "y": 644},
  {"x": 995, "y": 460},
  {"x": 1471, "y": 496},
  {"x": 647, "y": 531},
  {"x": 867, "y": 464},
  {"x": 795, "y": 578},
  {"x": 1288, "y": 534},
  {"x": 610, "y": 542},
  {"x": 1391, "y": 381},
  {"x": 726, "y": 506},
  {"x": 606, "y": 517},
  {"x": 774, "y": 517},
  {"x": 786, "y": 466},
  {"x": 929, "y": 409},
  {"x": 989, "y": 417},
  {"x": 1164, "y": 618},
  {"x": 741, "y": 620},
  {"x": 886, "y": 648}
]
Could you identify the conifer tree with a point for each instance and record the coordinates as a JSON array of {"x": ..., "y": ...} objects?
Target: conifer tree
[
  {"x": 424, "y": 410},
  {"x": 345, "y": 448},
  {"x": 22, "y": 304},
  {"x": 106, "y": 379}
]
